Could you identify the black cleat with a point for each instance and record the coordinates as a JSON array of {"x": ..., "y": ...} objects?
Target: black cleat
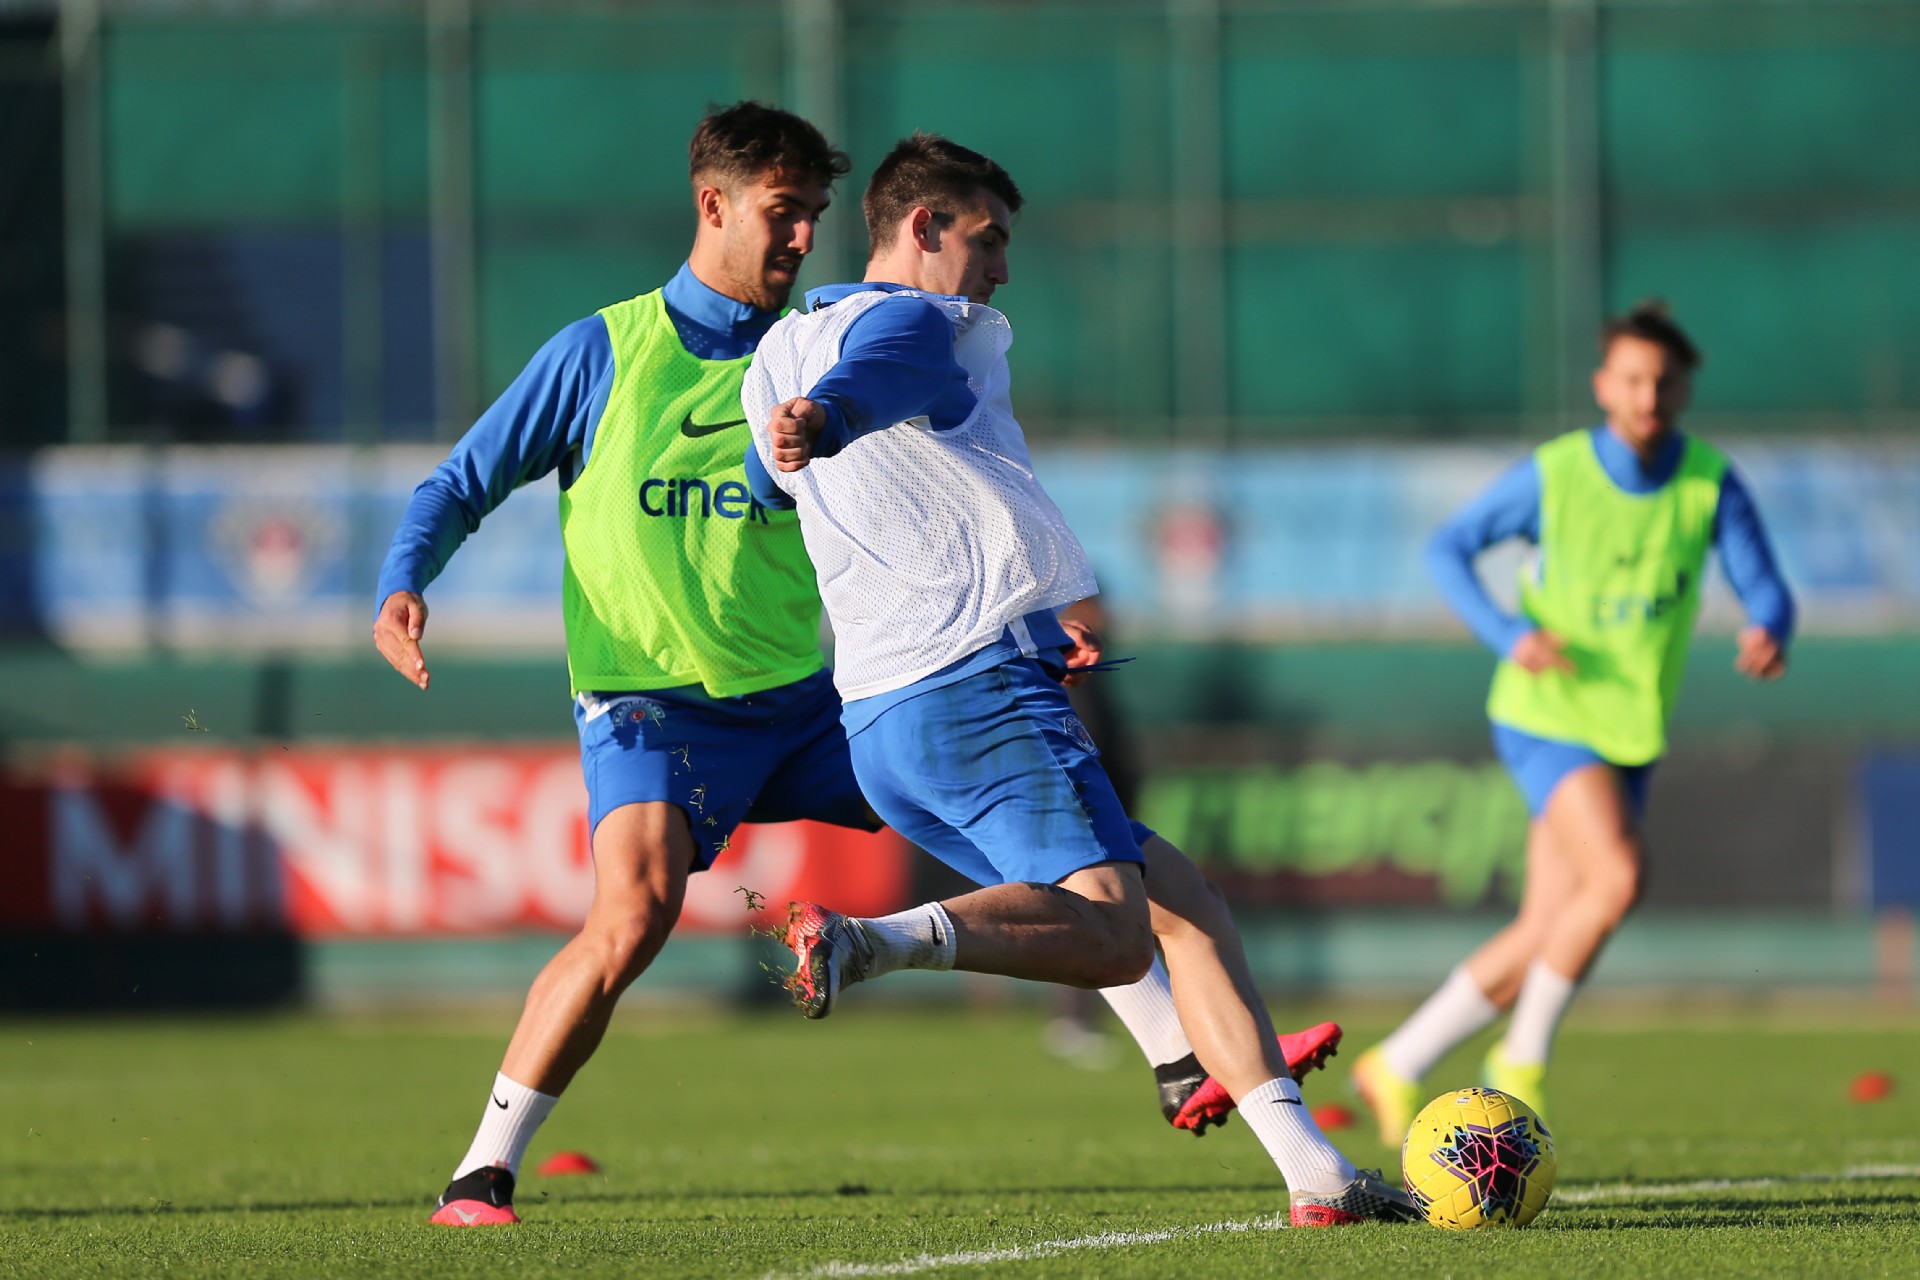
[{"x": 1178, "y": 1082}]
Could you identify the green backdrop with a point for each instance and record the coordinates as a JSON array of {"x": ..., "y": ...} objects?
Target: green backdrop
[{"x": 1246, "y": 220}]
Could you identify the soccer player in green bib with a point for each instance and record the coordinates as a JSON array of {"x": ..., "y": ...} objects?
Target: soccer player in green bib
[
  {"x": 1623, "y": 516},
  {"x": 692, "y": 620}
]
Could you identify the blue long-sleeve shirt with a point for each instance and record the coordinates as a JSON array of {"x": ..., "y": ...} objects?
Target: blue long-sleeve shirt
[
  {"x": 896, "y": 363},
  {"x": 1510, "y": 508},
  {"x": 545, "y": 421}
]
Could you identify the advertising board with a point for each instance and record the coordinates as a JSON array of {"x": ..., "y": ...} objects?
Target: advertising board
[{"x": 370, "y": 842}]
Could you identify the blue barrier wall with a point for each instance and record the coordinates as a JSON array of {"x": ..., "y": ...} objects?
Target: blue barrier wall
[{"x": 234, "y": 548}]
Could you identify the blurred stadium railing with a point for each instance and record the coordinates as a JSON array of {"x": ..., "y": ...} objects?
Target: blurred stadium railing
[
  {"x": 1294, "y": 280},
  {"x": 1248, "y": 221}
]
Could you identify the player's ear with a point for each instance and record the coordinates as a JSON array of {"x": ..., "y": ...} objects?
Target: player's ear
[
  {"x": 710, "y": 204},
  {"x": 924, "y": 228}
]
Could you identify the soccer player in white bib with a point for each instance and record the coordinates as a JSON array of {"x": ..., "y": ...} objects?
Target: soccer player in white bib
[{"x": 883, "y": 415}]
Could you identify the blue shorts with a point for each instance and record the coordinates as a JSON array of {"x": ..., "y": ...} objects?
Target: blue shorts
[
  {"x": 1538, "y": 765},
  {"x": 995, "y": 776},
  {"x": 772, "y": 756}
]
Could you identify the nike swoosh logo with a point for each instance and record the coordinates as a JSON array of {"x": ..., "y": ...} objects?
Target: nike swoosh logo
[
  {"x": 468, "y": 1218},
  {"x": 1292, "y": 1102},
  {"x": 694, "y": 430},
  {"x": 498, "y": 1103}
]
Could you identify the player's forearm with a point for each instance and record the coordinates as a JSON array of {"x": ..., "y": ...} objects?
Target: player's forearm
[
  {"x": 1450, "y": 565},
  {"x": 1508, "y": 508},
  {"x": 547, "y": 413},
  {"x": 866, "y": 395},
  {"x": 896, "y": 364},
  {"x": 1770, "y": 606},
  {"x": 1747, "y": 559},
  {"x": 451, "y": 502},
  {"x": 430, "y": 531}
]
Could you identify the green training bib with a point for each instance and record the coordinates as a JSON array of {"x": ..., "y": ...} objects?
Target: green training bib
[
  {"x": 675, "y": 575},
  {"x": 1618, "y": 578}
]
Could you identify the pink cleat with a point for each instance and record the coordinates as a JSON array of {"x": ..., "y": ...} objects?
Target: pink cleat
[
  {"x": 830, "y": 951},
  {"x": 1193, "y": 1100}
]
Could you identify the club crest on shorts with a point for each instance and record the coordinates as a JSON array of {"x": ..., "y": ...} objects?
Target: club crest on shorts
[
  {"x": 1078, "y": 732},
  {"x": 638, "y": 711}
]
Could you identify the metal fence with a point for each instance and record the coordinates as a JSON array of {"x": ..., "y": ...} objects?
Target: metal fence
[{"x": 1247, "y": 222}]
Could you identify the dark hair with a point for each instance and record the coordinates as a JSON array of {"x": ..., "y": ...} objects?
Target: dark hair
[
  {"x": 929, "y": 171},
  {"x": 738, "y": 144},
  {"x": 1649, "y": 321}
]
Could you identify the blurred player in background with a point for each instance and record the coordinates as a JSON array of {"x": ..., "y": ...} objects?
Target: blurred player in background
[
  {"x": 693, "y": 626},
  {"x": 883, "y": 415},
  {"x": 1623, "y": 516}
]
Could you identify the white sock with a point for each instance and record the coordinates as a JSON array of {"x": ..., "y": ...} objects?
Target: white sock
[
  {"x": 514, "y": 1114},
  {"x": 1286, "y": 1129},
  {"x": 918, "y": 938},
  {"x": 1544, "y": 998},
  {"x": 1146, "y": 1008},
  {"x": 1451, "y": 1014}
]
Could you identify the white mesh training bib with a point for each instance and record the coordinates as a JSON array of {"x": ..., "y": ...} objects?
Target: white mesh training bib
[{"x": 926, "y": 543}]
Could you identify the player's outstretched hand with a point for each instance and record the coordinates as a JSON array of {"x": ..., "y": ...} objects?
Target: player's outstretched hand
[
  {"x": 794, "y": 427},
  {"x": 396, "y": 633},
  {"x": 1761, "y": 656},
  {"x": 1085, "y": 651},
  {"x": 1541, "y": 650}
]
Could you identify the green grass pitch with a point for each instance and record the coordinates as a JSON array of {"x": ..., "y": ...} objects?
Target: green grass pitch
[{"x": 890, "y": 1141}]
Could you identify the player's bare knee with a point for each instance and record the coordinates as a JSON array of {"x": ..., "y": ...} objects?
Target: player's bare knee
[
  {"x": 1130, "y": 954},
  {"x": 1213, "y": 913},
  {"x": 614, "y": 948},
  {"x": 1183, "y": 897},
  {"x": 1616, "y": 883},
  {"x": 1115, "y": 946},
  {"x": 1626, "y": 894},
  {"x": 1121, "y": 966},
  {"x": 1205, "y": 912},
  {"x": 1139, "y": 964},
  {"x": 627, "y": 939},
  {"x": 1530, "y": 930}
]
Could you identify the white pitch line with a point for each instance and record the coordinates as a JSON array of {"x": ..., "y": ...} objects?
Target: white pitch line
[
  {"x": 1629, "y": 1190},
  {"x": 1127, "y": 1239},
  {"x": 1045, "y": 1249}
]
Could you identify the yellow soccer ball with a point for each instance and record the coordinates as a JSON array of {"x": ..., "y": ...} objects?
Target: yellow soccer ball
[{"x": 1478, "y": 1158}]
